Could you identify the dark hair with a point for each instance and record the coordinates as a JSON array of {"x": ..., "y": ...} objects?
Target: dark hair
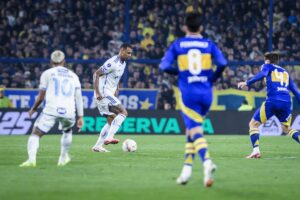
[
  {"x": 125, "y": 46},
  {"x": 193, "y": 21},
  {"x": 272, "y": 56}
]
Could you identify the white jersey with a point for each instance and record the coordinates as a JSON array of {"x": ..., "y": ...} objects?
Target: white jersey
[
  {"x": 113, "y": 70},
  {"x": 60, "y": 84}
]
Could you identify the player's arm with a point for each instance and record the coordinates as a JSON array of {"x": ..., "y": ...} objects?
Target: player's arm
[
  {"x": 42, "y": 93},
  {"x": 117, "y": 91},
  {"x": 294, "y": 89},
  {"x": 104, "y": 69},
  {"x": 79, "y": 105},
  {"x": 262, "y": 74},
  {"x": 96, "y": 77},
  {"x": 219, "y": 60},
  {"x": 167, "y": 61},
  {"x": 37, "y": 102}
]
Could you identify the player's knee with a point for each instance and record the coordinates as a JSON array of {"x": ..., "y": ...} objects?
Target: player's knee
[
  {"x": 124, "y": 112},
  {"x": 195, "y": 130},
  {"x": 68, "y": 131},
  {"x": 37, "y": 131},
  {"x": 285, "y": 129},
  {"x": 110, "y": 118},
  {"x": 253, "y": 124}
]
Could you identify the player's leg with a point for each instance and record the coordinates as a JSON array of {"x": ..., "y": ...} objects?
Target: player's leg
[
  {"x": 285, "y": 117},
  {"x": 193, "y": 111},
  {"x": 295, "y": 134},
  {"x": 254, "y": 138},
  {"x": 98, "y": 147},
  {"x": 189, "y": 156},
  {"x": 260, "y": 116},
  {"x": 115, "y": 107},
  {"x": 41, "y": 126},
  {"x": 201, "y": 148},
  {"x": 66, "y": 140}
]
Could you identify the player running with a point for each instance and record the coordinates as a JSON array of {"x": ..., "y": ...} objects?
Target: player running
[
  {"x": 194, "y": 55},
  {"x": 106, "y": 80},
  {"x": 278, "y": 101},
  {"x": 61, "y": 89}
]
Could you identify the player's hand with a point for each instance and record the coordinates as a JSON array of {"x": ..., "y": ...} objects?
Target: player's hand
[
  {"x": 30, "y": 112},
  {"x": 99, "y": 98},
  {"x": 241, "y": 85},
  {"x": 80, "y": 122}
]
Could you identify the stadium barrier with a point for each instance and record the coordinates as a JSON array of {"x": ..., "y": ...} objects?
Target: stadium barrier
[
  {"x": 146, "y": 99},
  {"x": 130, "y": 98},
  {"x": 147, "y": 122}
]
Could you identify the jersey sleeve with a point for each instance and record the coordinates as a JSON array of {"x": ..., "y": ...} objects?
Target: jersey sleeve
[
  {"x": 294, "y": 89},
  {"x": 107, "y": 67},
  {"x": 263, "y": 73},
  {"x": 44, "y": 80},
  {"x": 218, "y": 56},
  {"x": 78, "y": 98},
  {"x": 77, "y": 82},
  {"x": 167, "y": 61}
]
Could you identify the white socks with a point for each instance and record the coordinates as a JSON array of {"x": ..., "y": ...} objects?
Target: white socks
[
  {"x": 115, "y": 125},
  {"x": 186, "y": 172},
  {"x": 32, "y": 146},
  {"x": 103, "y": 134},
  {"x": 256, "y": 150},
  {"x": 65, "y": 141}
]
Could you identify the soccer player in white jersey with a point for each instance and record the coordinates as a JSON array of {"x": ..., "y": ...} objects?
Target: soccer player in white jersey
[
  {"x": 106, "y": 81},
  {"x": 61, "y": 89}
]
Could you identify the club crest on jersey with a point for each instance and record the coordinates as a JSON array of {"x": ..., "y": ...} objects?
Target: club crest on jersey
[
  {"x": 103, "y": 69},
  {"x": 61, "y": 111}
]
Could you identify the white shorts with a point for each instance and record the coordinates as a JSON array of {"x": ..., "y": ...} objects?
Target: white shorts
[
  {"x": 45, "y": 122},
  {"x": 104, "y": 104}
]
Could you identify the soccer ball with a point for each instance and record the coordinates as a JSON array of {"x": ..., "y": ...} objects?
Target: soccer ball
[{"x": 129, "y": 145}]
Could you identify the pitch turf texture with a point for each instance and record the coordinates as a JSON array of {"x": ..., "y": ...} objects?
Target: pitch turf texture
[{"x": 150, "y": 172}]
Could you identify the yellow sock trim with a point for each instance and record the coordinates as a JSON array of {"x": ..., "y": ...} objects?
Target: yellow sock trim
[
  {"x": 252, "y": 132},
  {"x": 199, "y": 140},
  {"x": 189, "y": 160},
  {"x": 201, "y": 146},
  {"x": 207, "y": 155},
  {"x": 189, "y": 145},
  {"x": 292, "y": 132}
]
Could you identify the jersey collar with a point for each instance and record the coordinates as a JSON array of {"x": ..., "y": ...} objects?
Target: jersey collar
[{"x": 191, "y": 35}]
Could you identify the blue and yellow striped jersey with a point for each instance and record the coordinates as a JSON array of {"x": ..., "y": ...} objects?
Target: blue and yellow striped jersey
[
  {"x": 194, "y": 56},
  {"x": 278, "y": 82}
]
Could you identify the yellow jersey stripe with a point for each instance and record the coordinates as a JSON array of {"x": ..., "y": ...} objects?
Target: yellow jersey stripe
[
  {"x": 183, "y": 64},
  {"x": 262, "y": 113},
  {"x": 189, "y": 112}
]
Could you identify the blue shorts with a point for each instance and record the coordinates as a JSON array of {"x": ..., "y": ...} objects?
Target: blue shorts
[
  {"x": 194, "y": 107},
  {"x": 282, "y": 110}
]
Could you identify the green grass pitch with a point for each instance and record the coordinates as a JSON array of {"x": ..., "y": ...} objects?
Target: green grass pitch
[{"x": 150, "y": 172}]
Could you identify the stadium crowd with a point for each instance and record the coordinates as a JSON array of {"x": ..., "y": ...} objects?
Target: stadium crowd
[{"x": 95, "y": 29}]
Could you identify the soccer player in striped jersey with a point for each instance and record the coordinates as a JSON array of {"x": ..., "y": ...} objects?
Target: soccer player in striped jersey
[
  {"x": 106, "y": 81},
  {"x": 193, "y": 55},
  {"x": 278, "y": 101}
]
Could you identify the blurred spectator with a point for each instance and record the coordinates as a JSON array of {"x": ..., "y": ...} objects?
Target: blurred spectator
[
  {"x": 4, "y": 101},
  {"x": 245, "y": 106}
]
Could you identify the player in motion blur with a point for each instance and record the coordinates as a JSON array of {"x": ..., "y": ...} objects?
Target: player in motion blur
[
  {"x": 106, "y": 81},
  {"x": 194, "y": 55},
  {"x": 61, "y": 89},
  {"x": 278, "y": 101}
]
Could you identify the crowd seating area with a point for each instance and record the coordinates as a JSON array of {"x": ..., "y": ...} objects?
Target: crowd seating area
[{"x": 95, "y": 29}]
